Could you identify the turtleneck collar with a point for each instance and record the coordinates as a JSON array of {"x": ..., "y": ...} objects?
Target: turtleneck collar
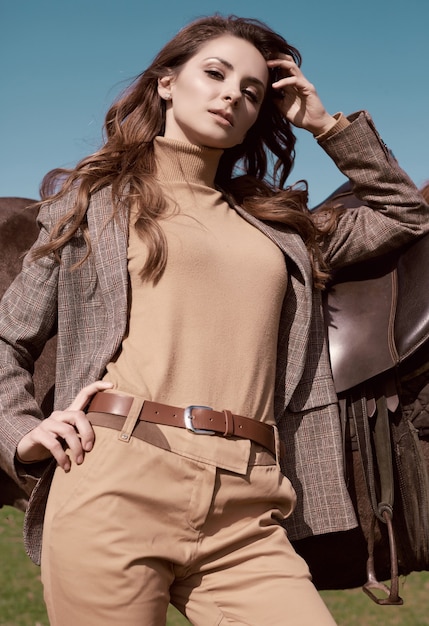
[{"x": 178, "y": 161}]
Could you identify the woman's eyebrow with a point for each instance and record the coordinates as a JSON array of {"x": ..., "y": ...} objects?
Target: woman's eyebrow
[{"x": 229, "y": 66}]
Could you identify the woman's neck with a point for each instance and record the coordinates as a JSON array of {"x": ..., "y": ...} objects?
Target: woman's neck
[{"x": 178, "y": 161}]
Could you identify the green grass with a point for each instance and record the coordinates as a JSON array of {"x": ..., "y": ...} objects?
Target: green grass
[
  {"x": 354, "y": 608},
  {"x": 21, "y": 601}
]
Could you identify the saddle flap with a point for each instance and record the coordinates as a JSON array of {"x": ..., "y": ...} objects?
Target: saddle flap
[
  {"x": 412, "y": 316},
  {"x": 359, "y": 313}
]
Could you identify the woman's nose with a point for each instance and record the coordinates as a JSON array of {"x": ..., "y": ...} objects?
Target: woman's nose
[{"x": 232, "y": 96}]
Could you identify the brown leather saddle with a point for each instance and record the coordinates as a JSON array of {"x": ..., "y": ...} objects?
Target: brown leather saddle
[
  {"x": 376, "y": 312},
  {"x": 377, "y": 323}
]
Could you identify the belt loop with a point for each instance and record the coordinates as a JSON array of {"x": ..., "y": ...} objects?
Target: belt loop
[
  {"x": 131, "y": 420},
  {"x": 229, "y": 423},
  {"x": 278, "y": 446}
]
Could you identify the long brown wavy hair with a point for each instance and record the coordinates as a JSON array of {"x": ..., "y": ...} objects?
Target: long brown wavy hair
[{"x": 126, "y": 160}]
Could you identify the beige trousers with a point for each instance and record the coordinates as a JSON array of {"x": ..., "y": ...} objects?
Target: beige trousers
[{"x": 136, "y": 527}]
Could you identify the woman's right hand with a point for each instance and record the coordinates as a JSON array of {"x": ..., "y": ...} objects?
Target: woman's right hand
[
  {"x": 299, "y": 101},
  {"x": 65, "y": 435}
]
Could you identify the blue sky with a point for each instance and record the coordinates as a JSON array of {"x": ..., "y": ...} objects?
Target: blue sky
[{"x": 63, "y": 63}]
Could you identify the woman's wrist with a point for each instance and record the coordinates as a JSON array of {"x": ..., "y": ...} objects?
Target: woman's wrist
[
  {"x": 341, "y": 122},
  {"x": 23, "y": 455},
  {"x": 323, "y": 125},
  {"x": 22, "y": 462}
]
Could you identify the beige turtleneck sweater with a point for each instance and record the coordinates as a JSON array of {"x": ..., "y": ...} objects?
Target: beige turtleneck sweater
[{"x": 206, "y": 333}]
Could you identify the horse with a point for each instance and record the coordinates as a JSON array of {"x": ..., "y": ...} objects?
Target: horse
[{"x": 336, "y": 560}]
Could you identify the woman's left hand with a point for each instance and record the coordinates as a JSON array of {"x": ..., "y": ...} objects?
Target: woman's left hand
[{"x": 298, "y": 99}]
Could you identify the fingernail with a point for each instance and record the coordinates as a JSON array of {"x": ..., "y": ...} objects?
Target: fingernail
[
  {"x": 66, "y": 467},
  {"x": 88, "y": 446},
  {"x": 79, "y": 459}
]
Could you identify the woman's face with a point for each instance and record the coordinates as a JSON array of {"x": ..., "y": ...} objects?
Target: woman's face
[{"x": 216, "y": 96}]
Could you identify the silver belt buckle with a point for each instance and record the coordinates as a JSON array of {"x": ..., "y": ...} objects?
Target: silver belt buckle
[{"x": 188, "y": 417}]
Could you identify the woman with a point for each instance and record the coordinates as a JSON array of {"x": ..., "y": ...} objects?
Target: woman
[{"x": 192, "y": 363}]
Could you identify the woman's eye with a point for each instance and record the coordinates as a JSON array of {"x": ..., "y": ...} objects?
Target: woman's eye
[
  {"x": 251, "y": 95},
  {"x": 215, "y": 74}
]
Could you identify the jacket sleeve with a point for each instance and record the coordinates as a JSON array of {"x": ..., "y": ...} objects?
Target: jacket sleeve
[
  {"x": 393, "y": 211},
  {"x": 28, "y": 312}
]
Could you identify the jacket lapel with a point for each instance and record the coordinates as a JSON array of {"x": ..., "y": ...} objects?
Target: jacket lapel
[
  {"x": 294, "y": 329},
  {"x": 110, "y": 242}
]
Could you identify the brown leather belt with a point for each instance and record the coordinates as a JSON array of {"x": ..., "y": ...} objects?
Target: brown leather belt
[{"x": 201, "y": 420}]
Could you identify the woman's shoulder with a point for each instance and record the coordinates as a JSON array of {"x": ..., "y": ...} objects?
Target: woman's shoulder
[{"x": 57, "y": 208}]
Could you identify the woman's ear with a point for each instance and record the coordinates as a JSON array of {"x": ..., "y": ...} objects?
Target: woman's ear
[{"x": 164, "y": 87}]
